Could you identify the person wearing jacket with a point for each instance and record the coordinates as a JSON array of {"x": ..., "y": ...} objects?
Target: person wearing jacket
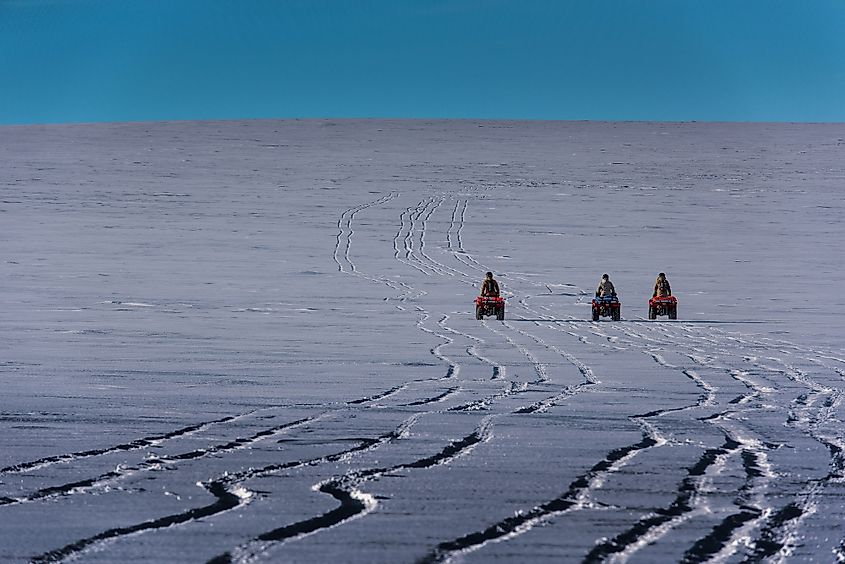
[
  {"x": 490, "y": 287},
  {"x": 605, "y": 287},
  {"x": 662, "y": 289}
]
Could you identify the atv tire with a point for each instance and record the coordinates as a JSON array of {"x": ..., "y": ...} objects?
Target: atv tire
[
  {"x": 479, "y": 312},
  {"x": 673, "y": 313},
  {"x": 616, "y": 314},
  {"x": 595, "y": 314},
  {"x": 500, "y": 313},
  {"x": 651, "y": 313}
]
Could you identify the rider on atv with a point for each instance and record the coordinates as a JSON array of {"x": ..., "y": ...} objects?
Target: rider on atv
[
  {"x": 489, "y": 302},
  {"x": 605, "y": 287},
  {"x": 606, "y": 304},
  {"x": 662, "y": 289},
  {"x": 662, "y": 301},
  {"x": 490, "y": 288}
]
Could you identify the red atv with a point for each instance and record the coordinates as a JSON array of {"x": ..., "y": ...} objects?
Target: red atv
[
  {"x": 607, "y": 306},
  {"x": 490, "y": 305},
  {"x": 663, "y": 305}
]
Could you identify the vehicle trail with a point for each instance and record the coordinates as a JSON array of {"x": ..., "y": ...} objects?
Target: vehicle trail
[
  {"x": 343, "y": 240},
  {"x": 539, "y": 367},
  {"x": 685, "y": 506},
  {"x": 779, "y": 536},
  {"x": 442, "y": 268},
  {"x": 566, "y": 391},
  {"x": 448, "y": 393},
  {"x": 137, "y": 444},
  {"x": 157, "y": 463},
  {"x": 381, "y": 395},
  {"x": 721, "y": 541},
  {"x": 576, "y": 497},
  {"x": 228, "y": 491},
  {"x": 404, "y": 254},
  {"x": 456, "y": 246},
  {"x": 354, "y": 503},
  {"x": 806, "y": 414}
]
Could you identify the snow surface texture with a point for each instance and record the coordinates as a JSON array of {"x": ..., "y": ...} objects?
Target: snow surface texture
[{"x": 248, "y": 342}]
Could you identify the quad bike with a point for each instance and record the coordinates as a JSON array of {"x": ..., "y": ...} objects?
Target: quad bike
[
  {"x": 663, "y": 305},
  {"x": 607, "y": 306},
  {"x": 490, "y": 305}
]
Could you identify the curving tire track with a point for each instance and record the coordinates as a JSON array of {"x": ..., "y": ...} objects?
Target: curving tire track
[
  {"x": 229, "y": 494},
  {"x": 353, "y": 502},
  {"x": 576, "y": 497},
  {"x": 343, "y": 239},
  {"x": 157, "y": 463},
  {"x": 137, "y": 444},
  {"x": 751, "y": 512}
]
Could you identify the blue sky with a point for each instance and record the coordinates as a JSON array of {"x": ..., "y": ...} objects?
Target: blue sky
[{"x": 131, "y": 60}]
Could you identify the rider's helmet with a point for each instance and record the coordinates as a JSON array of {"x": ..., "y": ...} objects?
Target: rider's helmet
[
  {"x": 489, "y": 275},
  {"x": 662, "y": 275},
  {"x": 605, "y": 276}
]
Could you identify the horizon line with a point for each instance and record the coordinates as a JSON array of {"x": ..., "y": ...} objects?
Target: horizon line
[{"x": 418, "y": 119}]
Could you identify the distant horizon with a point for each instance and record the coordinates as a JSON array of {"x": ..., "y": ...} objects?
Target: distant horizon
[
  {"x": 98, "y": 61},
  {"x": 418, "y": 119}
]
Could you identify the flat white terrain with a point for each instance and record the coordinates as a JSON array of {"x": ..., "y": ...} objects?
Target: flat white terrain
[{"x": 255, "y": 341}]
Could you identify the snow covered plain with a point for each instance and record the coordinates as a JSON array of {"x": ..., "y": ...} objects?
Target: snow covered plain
[{"x": 254, "y": 341}]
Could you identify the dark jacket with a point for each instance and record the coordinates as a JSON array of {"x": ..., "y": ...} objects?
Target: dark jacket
[
  {"x": 490, "y": 288},
  {"x": 661, "y": 288}
]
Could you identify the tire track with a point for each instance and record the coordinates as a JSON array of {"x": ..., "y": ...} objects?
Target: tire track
[
  {"x": 780, "y": 535},
  {"x": 690, "y": 502},
  {"x": 436, "y": 399},
  {"x": 353, "y": 502},
  {"x": 137, "y": 444},
  {"x": 456, "y": 246},
  {"x": 453, "y": 367},
  {"x": 806, "y": 414},
  {"x": 576, "y": 497},
  {"x": 229, "y": 494},
  {"x": 405, "y": 234},
  {"x": 381, "y": 395},
  {"x": 407, "y": 254},
  {"x": 343, "y": 240},
  {"x": 734, "y": 529},
  {"x": 684, "y": 507},
  {"x": 539, "y": 367},
  {"x": 498, "y": 370},
  {"x": 401, "y": 236},
  {"x": 566, "y": 391},
  {"x": 484, "y": 403},
  {"x": 443, "y": 269},
  {"x": 156, "y": 463},
  {"x": 686, "y": 504},
  {"x": 723, "y": 541}
]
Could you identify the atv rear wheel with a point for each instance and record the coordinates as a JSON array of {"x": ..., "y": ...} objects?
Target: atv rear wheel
[
  {"x": 500, "y": 313},
  {"x": 479, "y": 312},
  {"x": 616, "y": 314},
  {"x": 673, "y": 312},
  {"x": 651, "y": 313},
  {"x": 595, "y": 314}
]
